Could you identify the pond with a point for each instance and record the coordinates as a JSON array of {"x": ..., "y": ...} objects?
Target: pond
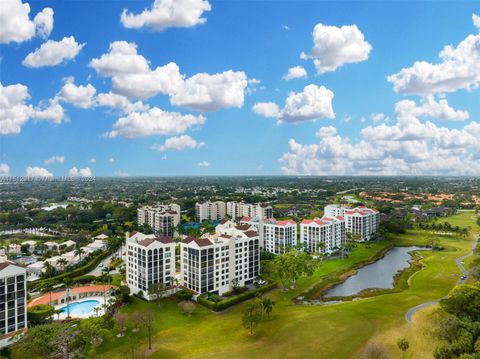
[{"x": 379, "y": 274}]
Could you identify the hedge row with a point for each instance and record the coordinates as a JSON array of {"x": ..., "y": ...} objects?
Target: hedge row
[
  {"x": 73, "y": 273},
  {"x": 228, "y": 302}
]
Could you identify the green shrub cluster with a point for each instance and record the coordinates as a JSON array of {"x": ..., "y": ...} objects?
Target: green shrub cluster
[
  {"x": 228, "y": 302},
  {"x": 40, "y": 313}
]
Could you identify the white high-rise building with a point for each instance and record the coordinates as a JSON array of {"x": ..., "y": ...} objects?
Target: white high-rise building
[
  {"x": 276, "y": 237},
  {"x": 161, "y": 218},
  {"x": 13, "y": 297},
  {"x": 219, "y": 262},
  {"x": 325, "y": 234},
  {"x": 211, "y": 211},
  {"x": 333, "y": 210},
  {"x": 362, "y": 221},
  {"x": 150, "y": 260},
  {"x": 258, "y": 210}
]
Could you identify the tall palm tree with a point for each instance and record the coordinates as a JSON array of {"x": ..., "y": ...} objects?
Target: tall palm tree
[
  {"x": 49, "y": 270},
  {"x": 267, "y": 305},
  {"x": 68, "y": 283},
  {"x": 47, "y": 287},
  {"x": 62, "y": 262},
  {"x": 79, "y": 252}
]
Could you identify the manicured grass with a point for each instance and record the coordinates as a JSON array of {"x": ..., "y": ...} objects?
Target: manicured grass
[{"x": 331, "y": 331}]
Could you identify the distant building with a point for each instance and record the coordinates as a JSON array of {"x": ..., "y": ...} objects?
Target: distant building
[
  {"x": 219, "y": 262},
  {"x": 210, "y": 211},
  {"x": 150, "y": 260},
  {"x": 13, "y": 297},
  {"x": 258, "y": 210},
  {"x": 276, "y": 237},
  {"x": 161, "y": 218}
]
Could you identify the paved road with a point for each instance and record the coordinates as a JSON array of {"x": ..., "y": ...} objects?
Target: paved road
[
  {"x": 458, "y": 261},
  {"x": 98, "y": 270}
]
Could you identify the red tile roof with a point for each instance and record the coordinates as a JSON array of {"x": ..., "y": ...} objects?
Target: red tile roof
[{"x": 251, "y": 234}]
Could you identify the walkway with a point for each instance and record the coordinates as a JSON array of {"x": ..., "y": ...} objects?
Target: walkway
[{"x": 458, "y": 261}]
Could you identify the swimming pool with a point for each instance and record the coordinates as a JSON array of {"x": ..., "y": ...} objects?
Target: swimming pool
[{"x": 81, "y": 309}]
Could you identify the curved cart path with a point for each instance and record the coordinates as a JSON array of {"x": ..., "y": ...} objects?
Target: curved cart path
[{"x": 458, "y": 261}]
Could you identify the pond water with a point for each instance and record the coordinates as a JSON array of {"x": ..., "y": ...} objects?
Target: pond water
[{"x": 379, "y": 274}]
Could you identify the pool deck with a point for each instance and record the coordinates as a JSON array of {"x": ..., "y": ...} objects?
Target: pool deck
[{"x": 83, "y": 316}]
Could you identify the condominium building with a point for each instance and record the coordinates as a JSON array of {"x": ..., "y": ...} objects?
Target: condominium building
[
  {"x": 363, "y": 222},
  {"x": 150, "y": 260},
  {"x": 161, "y": 218},
  {"x": 276, "y": 237},
  {"x": 324, "y": 235},
  {"x": 221, "y": 261},
  {"x": 13, "y": 297},
  {"x": 239, "y": 209},
  {"x": 210, "y": 211},
  {"x": 360, "y": 221}
]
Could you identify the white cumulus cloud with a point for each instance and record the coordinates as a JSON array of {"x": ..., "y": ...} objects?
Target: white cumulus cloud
[
  {"x": 178, "y": 143},
  {"x": 335, "y": 46},
  {"x": 458, "y": 68},
  {"x": 4, "y": 169},
  {"x": 152, "y": 122},
  {"x": 295, "y": 72},
  {"x": 44, "y": 22},
  {"x": 80, "y": 96},
  {"x": 15, "y": 23},
  {"x": 133, "y": 78},
  {"x": 407, "y": 147},
  {"x": 82, "y": 172},
  {"x": 167, "y": 13},
  {"x": 52, "y": 53},
  {"x": 204, "y": 164},
  {"x": 15, "y": 112},
  {"x": 313, "y": 103},
  {"x": 54, "y": 159},
  {"x": 37, "y": 172}
]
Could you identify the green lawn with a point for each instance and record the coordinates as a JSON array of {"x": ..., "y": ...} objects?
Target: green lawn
[{"x": 333, "y": 331}]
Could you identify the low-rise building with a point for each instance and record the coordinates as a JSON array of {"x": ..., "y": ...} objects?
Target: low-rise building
[
  {"x": 150, "y": 260},
  {"x": 220, "y": 262},
  {"x": 30, "y": 244},
  {"x": 161, "y": 218}
]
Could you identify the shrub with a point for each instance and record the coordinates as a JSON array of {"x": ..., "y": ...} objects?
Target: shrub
[
  {"x": 40, "y": 313},
  {"x": 187, "y": 307},
  {"x": 84, "y": 279},
  {"x": 184, "y": 294},
  {"x": 228, "y": 302}
]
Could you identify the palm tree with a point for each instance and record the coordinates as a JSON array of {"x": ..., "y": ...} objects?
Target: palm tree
[
  {"x": 47, "y": 287},
  {"x": 58, "y": 312},
  {"x": 79, "y": 252},
  {"x": 267, "y": 305},
  {"x": 62, "y": 262},
  {"x": 49, "y": 270},
  {"x": 68, "y": 283}
]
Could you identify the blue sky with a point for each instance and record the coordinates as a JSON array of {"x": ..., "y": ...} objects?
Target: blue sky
[{"x": 429, "y": 125}]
